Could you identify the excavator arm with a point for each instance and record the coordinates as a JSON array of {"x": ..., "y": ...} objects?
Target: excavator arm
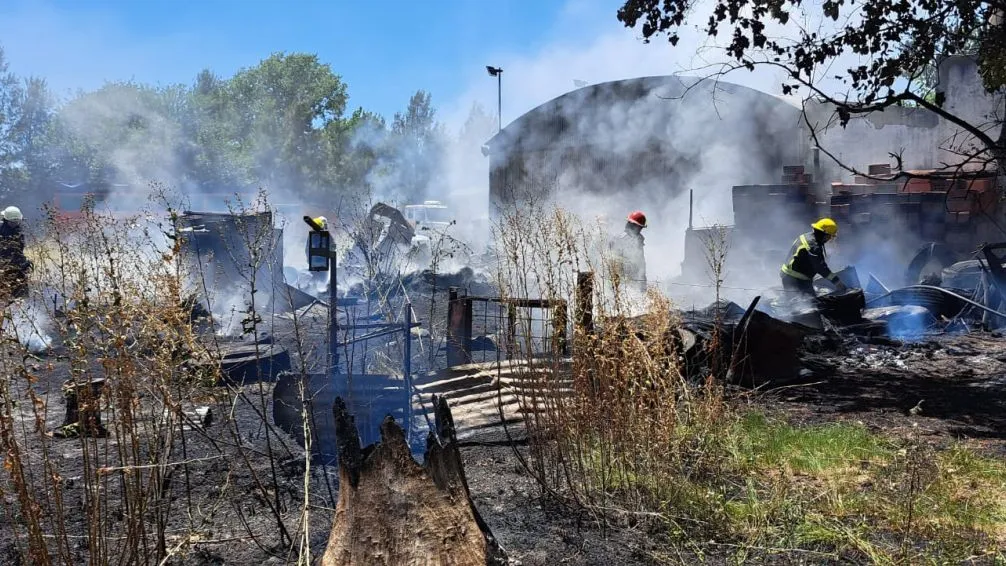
[{"x": 400, "y": 231}]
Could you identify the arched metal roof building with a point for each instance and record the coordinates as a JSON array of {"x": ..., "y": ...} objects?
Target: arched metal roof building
[{"x": 650, "y": 138}]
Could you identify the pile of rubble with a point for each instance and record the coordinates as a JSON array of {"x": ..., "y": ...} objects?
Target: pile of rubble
[{"x": 776, "y": 340}]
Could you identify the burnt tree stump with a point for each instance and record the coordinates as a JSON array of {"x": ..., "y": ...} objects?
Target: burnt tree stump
[
  {"x": 392, "y": 510},
  {"x": 83, "y": 409}
]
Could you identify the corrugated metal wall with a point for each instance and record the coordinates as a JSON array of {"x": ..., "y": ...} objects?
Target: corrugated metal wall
[
  {"x": 583, "y": 141},
  {"x": 582, "y": 169}
]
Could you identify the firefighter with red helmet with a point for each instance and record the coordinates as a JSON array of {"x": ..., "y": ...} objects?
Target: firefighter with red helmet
[{"x": 628, "y": 251}]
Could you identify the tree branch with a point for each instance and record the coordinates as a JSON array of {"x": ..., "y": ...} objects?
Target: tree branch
[{"x": 901, "y": 172}]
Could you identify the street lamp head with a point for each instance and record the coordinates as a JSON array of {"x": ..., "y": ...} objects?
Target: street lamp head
[{"x": 493, "y": 71}]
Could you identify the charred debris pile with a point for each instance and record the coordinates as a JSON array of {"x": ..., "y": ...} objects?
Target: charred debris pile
[
  {"x": 788, "y": 337},
  {"x": 771, "y": 334}
]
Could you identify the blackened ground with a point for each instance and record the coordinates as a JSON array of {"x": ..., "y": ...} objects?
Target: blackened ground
[
  {"x": 956, "y": 387},
  {"x": 947, "y": 387},
  {"x": 538, "y": 532}
]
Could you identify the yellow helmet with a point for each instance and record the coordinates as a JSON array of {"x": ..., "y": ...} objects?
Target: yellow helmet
[
  {"x": 826, "y": 225},
  {"x": 322, "y": 221}
]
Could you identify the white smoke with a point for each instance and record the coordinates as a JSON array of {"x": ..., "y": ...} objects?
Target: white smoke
[
  {"x": 726, "y": 143},
  {"x": 586, "y": 43},
  {"x": 141, "y": 142},
  {"x": 29, "y": 322}
]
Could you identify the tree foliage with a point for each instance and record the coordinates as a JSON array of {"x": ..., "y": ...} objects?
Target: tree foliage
[
  {"x": 417, "y": 140},
  {"x": 283, "y": 125},
  {"x": 893, "y": 46},
  {"x": 26, "y": 110}
]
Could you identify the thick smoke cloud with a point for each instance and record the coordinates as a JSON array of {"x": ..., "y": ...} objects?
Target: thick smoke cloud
[
  {"x": 719, "y": 142},
  {"x": 709, "y": 138},
  {"x": 716, "y": 141},
  {"x": 141, "y": 141}
]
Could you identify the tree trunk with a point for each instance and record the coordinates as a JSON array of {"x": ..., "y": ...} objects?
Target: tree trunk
[
  {"x": 83, "y": 409},
  {"x": 391, "y": 510},
  {"x": 999, "y": 151}
]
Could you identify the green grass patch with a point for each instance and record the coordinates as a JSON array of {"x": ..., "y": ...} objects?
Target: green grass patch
[
  {"x": 838, "y": 489},
  {"x": 763, "y": 443},
  {"x": 848, "y": 489}
]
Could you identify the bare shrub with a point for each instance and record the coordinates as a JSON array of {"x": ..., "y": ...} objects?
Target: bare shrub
[
  {"x": 151, "y": 485},
  {"x": 617, "y": 424}
]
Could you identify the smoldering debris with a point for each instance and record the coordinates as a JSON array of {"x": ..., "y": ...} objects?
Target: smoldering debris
[
  {"x": 235, "y": 261},
  {"x": 753, "y": 344},
  {"x": 786, "y": 337},
  {"x": 390, "y": 241},
  {"x": 390, "y": 254}
]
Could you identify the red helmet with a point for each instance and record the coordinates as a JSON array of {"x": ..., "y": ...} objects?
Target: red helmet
[{"x": 638, "y": 218}]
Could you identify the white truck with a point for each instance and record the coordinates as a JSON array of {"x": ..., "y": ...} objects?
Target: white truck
[{"x": 431, "y": 215}]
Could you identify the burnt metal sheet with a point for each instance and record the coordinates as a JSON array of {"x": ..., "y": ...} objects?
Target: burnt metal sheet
[{"x": 370, "y": 398}]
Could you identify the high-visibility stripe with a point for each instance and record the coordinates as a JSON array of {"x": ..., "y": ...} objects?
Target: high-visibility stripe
[
  {"x": 794, "y": 274},
  {"x": 787, "y": 267}
]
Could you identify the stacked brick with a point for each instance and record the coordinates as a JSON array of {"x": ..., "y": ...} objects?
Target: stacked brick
[
  {"x": 941, "y": 208},
  {"x": 776, "y": 210}
]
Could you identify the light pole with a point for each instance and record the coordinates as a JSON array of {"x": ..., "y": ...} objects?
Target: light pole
[{"x": 498, "y": 73}]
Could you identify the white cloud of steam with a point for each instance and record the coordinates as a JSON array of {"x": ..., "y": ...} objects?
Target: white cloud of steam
[
  {"x": 727, "y": 152},
  {"x": 29, "y": 323}
]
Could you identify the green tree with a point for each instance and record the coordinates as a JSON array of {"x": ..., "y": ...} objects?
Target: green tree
[
  {"x": 32, "y": 137},
  {"x": 417, "y": 146},
  {"x": 278, "y": 115},
  {"x": 278, "y": 125},
  {"x": 419, "y": 120},
  {"x": 26, "y": 110},
  {"x": 357, "y": 146},
  {"x": 125, "y": 132},
  {"x": 217, "y": 161},
  {"x": 10, "y": 96},
  {"x": 897, "y": 41}
]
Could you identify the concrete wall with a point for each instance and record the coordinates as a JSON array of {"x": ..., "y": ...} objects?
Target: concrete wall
[
  {"x": 923, "y": 139},
  {"x": 912, "y": 132},
  {"x": 966, "y": 97}
]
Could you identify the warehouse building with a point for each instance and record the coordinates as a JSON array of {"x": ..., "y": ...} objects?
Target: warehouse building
[
  {"x": 749, "y": 157},
  {"x": 650, "y": 138}
]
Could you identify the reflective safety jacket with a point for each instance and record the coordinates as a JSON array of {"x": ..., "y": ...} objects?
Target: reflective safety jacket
[
  {"x": 628, "y": 251},
  {"x": 806, "y": 259}
]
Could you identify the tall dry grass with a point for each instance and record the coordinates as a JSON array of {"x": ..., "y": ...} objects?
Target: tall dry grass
[
  {"x": 620, "y": 430},
  {"x": 618, "y": 424},
  {"x": 116, "y": 298}
]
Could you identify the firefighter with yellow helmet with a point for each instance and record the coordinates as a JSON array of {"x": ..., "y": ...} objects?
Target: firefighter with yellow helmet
[
  {"x": 807, "y": 259},
  {"x": 318, "y": 278}
]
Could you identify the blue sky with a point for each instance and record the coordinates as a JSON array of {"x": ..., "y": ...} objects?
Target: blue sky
[{"x": 383, "y": 50}]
